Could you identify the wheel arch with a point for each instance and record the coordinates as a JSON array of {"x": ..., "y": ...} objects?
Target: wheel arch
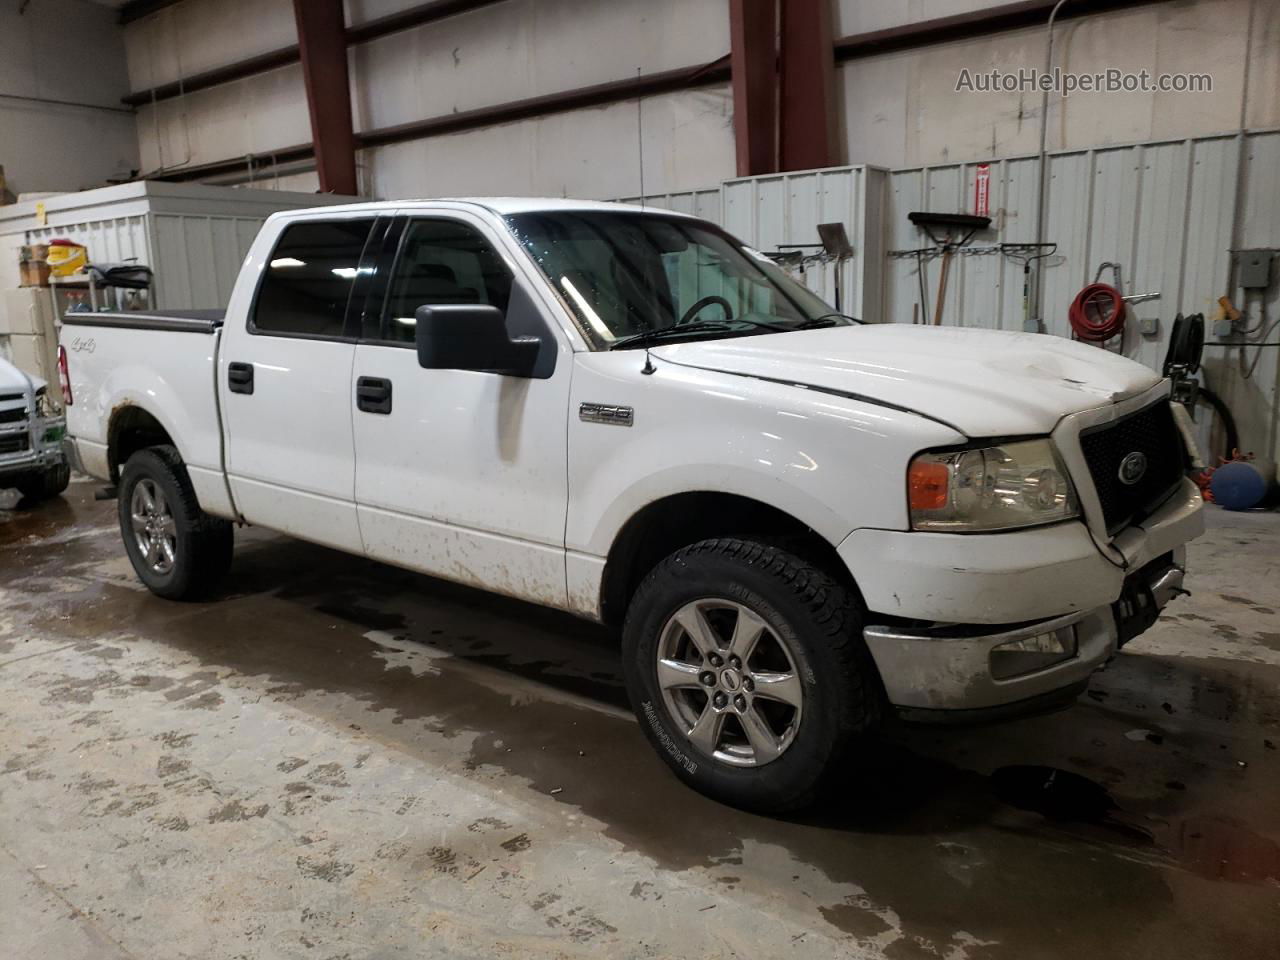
[
  {"x": 131, "y": 428},
  {"x": 661, "y": 527}
]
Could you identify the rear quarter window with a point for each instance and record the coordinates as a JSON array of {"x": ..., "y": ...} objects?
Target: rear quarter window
[{"x": 308, "y": 280}]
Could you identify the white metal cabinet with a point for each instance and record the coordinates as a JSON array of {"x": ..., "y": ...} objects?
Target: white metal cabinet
[{"x": 193, "y": 235}]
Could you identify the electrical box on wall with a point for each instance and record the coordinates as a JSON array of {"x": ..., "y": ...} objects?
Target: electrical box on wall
[{"x": 1253, "y": 268}]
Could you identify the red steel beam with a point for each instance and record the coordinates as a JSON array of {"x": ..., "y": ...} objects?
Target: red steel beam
[
  {"x": 412, "y": 17},
  {"x": 992, "y": 20},
  {"x": 753, "y": 34},
  {"x": 976, "y": 23},
  {"x": 807, "y": 134},
  {"x": 137, "y": 9},
  {"x": 283, "y": 56},
  {"x": 323, "y": 48},
  {"x": 212, "y": 78}
]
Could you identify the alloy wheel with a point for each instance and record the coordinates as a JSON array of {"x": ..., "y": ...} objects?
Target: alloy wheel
[
  {"x": 154, "y": 528},
  {"x": 729, "y": 682}
]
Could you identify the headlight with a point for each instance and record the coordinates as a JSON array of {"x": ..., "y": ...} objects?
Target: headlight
[
  {"x": 1019, "y": 484},
  {"x": 44, "y": 408}
]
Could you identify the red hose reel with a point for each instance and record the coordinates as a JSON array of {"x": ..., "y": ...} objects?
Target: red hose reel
[{"x": 1097, "y": 313}]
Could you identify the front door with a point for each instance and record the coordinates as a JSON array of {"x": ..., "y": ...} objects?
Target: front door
[
  {"x": 460, "y": 474},
  {"x": 285, "y": 386}
]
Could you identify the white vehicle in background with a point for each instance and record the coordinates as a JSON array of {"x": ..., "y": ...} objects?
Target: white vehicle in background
[
  {"x": 799, "y": 521},
  {"x": 31, "y": 436}
]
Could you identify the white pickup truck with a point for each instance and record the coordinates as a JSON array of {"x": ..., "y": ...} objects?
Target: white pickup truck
[
  {"x": 31, "y": 437},
  {"x": 801, "y": 522}
]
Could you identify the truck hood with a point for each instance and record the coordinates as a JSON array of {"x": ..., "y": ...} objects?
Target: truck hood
[
  {"x": 13, "y": 380},
  {"x": 981, "y": 382}
]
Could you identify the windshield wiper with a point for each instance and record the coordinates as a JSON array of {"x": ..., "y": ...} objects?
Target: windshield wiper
[
  {"x": 826, "y": 320},
  {"x": 709, "y": 326}
]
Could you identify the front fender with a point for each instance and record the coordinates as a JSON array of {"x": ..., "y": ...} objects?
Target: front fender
[{"x": 833, "y": 463}]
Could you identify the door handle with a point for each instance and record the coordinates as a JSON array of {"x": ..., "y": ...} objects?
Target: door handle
[
  {"x": 240, "y": 377},
  {"x": 373, "y": 394}
]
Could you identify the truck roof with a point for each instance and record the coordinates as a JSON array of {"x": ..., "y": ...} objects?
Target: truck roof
[{"x": 502, "y": 206}]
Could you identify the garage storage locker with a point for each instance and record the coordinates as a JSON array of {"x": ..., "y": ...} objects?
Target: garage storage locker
[{"x": 193, "y": 236}]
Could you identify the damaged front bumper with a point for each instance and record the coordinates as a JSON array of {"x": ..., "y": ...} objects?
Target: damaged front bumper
[
  {"x": 952, "y": 673},
  {"x": 31, "y": 446}
]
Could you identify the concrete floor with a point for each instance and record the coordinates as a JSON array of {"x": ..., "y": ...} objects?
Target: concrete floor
[{"x": 338, "y": 759}]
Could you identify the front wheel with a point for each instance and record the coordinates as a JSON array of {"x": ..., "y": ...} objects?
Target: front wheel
[
  {"x": 47, "y": 485},
  {"x": 177, "y": 550},
  {"x": 748, "y": 672}
]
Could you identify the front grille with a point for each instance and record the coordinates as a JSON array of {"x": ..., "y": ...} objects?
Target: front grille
[
  {"x": 14, "y": 415},
  {"x": 13, "y": 444},
  {"x": 1150, "y": 432}
]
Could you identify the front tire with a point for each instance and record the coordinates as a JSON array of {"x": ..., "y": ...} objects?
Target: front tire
[
  {"x": 47, "y": 485},
  {"x": 177, "y": 550},
  {"x": 746, "y": 667}
]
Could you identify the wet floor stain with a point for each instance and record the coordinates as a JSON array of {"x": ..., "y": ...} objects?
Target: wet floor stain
[
  {"x": 973, "y": 843},
  {"x": 1220, "y": 848}
]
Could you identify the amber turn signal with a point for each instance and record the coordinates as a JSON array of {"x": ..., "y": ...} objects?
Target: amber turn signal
[{"x": 927, "y": 483}]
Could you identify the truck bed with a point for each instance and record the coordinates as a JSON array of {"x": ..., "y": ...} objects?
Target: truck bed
[{"x": 121, "y": 364}]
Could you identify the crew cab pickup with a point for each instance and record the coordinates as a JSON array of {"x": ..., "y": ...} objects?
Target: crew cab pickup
[{"x": 800, "y": 521}]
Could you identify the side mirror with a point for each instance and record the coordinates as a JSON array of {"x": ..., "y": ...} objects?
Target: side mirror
[{"x": 466, "y": 336}]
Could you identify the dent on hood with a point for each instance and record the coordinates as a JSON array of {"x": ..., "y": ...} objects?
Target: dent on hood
[
  {"x": 981, "y": 382},
  {"x": 1066, "y": 369}
]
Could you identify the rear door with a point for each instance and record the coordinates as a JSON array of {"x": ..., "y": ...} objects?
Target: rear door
[
  {"x": 459, "y": 473},
  {"x": 285, "y": 382}
]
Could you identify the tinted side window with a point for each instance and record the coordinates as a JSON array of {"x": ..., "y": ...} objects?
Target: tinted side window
[
  {"x": 440, "y": 262},
  {"x": 308, "y": 279}
]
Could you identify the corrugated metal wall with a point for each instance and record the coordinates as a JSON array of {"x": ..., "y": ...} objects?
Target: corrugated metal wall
[
  {"x": 772, "y": 212},
  {"x": 197, "y": 259},
  {"x": 1163, "y": 210},
  {"x": 701, "y": 203}
]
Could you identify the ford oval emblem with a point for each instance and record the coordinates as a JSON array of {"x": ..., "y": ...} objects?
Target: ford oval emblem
[{"x": 1133, "y": 467}]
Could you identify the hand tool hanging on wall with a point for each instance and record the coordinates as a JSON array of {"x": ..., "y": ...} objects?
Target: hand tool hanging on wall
[
  {"x": 942, "y": 228},
  {"x": 835, "y": 248},
  {"x": 1025, "y": 254}
]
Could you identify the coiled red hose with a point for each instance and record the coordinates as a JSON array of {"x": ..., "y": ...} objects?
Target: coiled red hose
[{"x": 1097, "y": 313}]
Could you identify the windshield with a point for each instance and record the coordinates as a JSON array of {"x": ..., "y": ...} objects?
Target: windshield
[{"x": 635, "y": 277}]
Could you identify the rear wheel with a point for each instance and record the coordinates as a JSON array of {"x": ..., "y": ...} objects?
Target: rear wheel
[
  {"x": 176, "y": 549},
  {"x": 47, "y": 485},
  {"x": 747, "y": 669}
]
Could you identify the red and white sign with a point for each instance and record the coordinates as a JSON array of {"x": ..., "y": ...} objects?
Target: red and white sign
[{"x": 982, "y": 191}]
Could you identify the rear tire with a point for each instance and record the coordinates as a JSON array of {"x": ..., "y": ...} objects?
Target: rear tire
[
  {"x": 47, "y": 485},
  {"x": 177, "y": 550},
  {"x": 770, "y": 729}
]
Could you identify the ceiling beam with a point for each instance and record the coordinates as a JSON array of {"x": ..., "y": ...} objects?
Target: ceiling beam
[
  {"x": 596, "y": 95},
  {"x": 137, "y": 9},
  {"x": 976, "y": 23},
  {"x": 423, "y": 13}
]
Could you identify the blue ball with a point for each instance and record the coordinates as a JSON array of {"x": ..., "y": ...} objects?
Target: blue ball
[{"x": 1238, "y": 486}]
